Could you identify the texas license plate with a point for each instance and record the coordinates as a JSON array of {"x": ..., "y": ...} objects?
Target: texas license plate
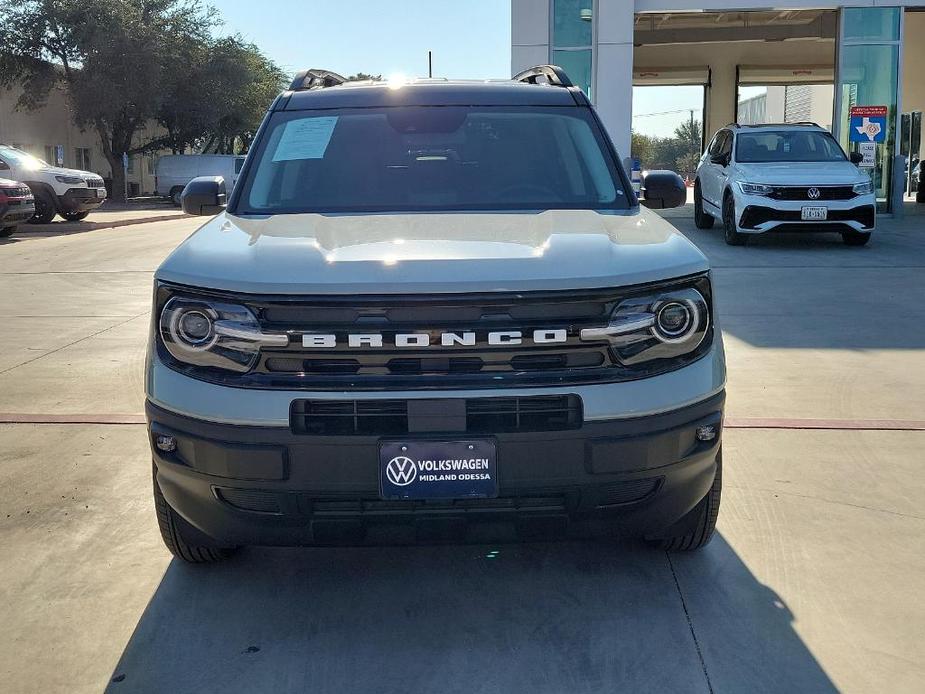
[
  {"x": 438, "y": 469},
  {"x": 814, "y": 214}
]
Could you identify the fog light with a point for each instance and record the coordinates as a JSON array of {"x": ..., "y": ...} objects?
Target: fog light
[
  {"x": 165, "y": 443},
  {"x": 707, "y": 433}
]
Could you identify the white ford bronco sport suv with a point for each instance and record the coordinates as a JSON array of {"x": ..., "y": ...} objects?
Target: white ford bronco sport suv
[
  {"x": 791, "y": 177},
  {"x": 69, "y": 192},
  {"x": 427, "y": 310}
]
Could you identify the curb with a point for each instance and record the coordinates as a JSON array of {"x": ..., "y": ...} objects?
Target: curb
[
  {"x": 73, "y": 227},
  {"x": 93, "y": 226}
]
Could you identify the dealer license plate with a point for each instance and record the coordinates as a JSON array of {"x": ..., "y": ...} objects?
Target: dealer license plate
[
  {"x": 438, "y": 469},
  {"x": 814, "y": 214}
]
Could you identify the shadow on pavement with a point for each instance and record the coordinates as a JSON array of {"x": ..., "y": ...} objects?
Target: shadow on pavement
[{"x": 556, "y": 617}]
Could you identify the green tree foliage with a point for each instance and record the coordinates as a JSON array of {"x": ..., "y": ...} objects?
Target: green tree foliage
[
  {"x": 216, "y": 102},
  {"x": 110, "y": 56},
  {"x": 126, "y": 63},
  {"x": 680, "y": 152},
  {"x": 363, "y": 76}
]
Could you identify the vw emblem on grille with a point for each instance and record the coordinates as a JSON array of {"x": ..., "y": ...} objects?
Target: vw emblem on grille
[
  {"x": 401, "y": 471},
  {"x": 813, "y": 193}
]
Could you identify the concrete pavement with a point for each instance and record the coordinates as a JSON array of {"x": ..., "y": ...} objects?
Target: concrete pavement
[{"x": 812, "y": 584}]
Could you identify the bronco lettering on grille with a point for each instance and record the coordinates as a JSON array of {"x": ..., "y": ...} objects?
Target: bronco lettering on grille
[{"x": 418, "y": 340}]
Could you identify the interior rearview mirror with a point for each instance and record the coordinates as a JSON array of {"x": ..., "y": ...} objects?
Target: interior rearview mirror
[
  {"x": 204, "y": 195},
  {"x": 663, "y": 189}
]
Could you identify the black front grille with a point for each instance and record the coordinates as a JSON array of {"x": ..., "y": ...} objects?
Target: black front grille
[
  {"x": 458, "y": 352},
  {"x": 392, "y": 418},
  {"x": 754, "y": 215},
  {"x": 17, "y": 192},
  {"x": 802, "y": 193}
]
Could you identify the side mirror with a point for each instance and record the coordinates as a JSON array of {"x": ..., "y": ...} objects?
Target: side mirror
[
  {"x": 856, "y": 158},
  {"x": 663, "y": 189},
  {"x": 204, "y": 195},
  {"x": 721, "y": 159}
]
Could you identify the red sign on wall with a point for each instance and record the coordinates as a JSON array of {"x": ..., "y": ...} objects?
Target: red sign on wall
[{"x": 869, "y": 111}]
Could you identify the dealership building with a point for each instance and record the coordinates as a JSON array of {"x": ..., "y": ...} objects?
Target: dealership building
[{"x": 867, "y": 59}]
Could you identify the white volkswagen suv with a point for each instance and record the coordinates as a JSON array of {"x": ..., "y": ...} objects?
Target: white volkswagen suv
[{"x": 793, "y": 177}]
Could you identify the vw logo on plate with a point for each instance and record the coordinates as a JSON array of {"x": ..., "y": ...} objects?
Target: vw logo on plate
[
  {"x": 401, "y": 471},
  {"x": 813, "y": 193}
]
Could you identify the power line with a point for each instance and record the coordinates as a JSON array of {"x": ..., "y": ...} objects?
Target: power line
[{"x": 662, "y": 113}]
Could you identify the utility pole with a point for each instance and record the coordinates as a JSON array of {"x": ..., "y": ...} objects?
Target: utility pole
[
  {"x": 693, "y": 151},
  {"x": 430, "y": 63}
]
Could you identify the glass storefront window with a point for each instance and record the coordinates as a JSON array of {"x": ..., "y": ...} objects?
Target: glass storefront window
[
  {"x": 871, "y": 23},
  {"x": 572, "y": 23},
  {"x": 868, "y": 78},
  {"x": 577, "y": 65}
]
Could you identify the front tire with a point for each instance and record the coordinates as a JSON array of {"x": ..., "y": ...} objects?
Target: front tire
[
  {"x": 701, "y": 521},
  {"x": 855, "y": 238},
  {"x": 44, "y": 207},
  {"x": 732, "y": 236},
  {"x": 75, "y": 216},
  {"x": 175, "y": 530},
  {"x": 702, "y": 220},
  {"x": 175, "y": 195},
  {"x": 7, "y": 231}
]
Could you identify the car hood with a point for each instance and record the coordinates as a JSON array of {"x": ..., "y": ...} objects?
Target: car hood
[
  {"x": 58, "y": 171},
  {"x": 434, "y": 253},
  {"x": 801, "y": 173}
]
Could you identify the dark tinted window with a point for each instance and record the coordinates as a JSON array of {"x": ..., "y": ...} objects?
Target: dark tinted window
[
  {"x": 432, "y": 158},
  {"x": 725, "y": 146},
  {"x": 788, "y": 145}
]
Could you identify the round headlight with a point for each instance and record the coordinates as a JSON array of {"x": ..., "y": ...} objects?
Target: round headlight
[
  {"x": 675, "y": 321},
  {"x": 193, "y": 328}
]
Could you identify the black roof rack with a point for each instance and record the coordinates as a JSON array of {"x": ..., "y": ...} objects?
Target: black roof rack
[
  {"x": 315, "y": 78},
  {"x": 552, "y": 74},
  {"x": 807, "y": 123}
]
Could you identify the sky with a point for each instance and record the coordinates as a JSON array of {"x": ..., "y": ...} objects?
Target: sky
[{"x": 469, "y": 38}]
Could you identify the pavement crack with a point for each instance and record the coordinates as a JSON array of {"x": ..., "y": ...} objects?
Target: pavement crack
[
  {"x": 813, "y": 497},
  {"x": 690, "y": 623},
  {"x": 71, "y": 344}
]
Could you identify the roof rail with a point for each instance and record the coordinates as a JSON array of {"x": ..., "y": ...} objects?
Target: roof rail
[
  {"x": 807, "y": 123},
  {"x": 553, "y": 74},
  {"x": 315, "y": 78}
]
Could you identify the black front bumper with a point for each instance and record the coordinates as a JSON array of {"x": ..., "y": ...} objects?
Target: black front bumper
[
  {"x": 79, "y": 200},
  {"x": 269, "y": 486},
  {"x": 755, "y": 215}
]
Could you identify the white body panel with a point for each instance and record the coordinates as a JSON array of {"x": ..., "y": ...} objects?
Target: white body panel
[{"x": 176, "y": 170}]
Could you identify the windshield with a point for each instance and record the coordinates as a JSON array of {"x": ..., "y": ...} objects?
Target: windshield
[
  {"x": 20, "y": 158},
  {"x": 432, "y": 158},
  {"x": 787, "y": 145}
]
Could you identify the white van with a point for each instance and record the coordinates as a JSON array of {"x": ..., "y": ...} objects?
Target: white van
[{"x": 174, "y": 171}]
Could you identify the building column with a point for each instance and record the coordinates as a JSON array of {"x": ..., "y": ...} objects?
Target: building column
[
  {"x": 613, "y": 69},
  {"x": 529, "y": 34},
  {"x": 722, "y": 95}
]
